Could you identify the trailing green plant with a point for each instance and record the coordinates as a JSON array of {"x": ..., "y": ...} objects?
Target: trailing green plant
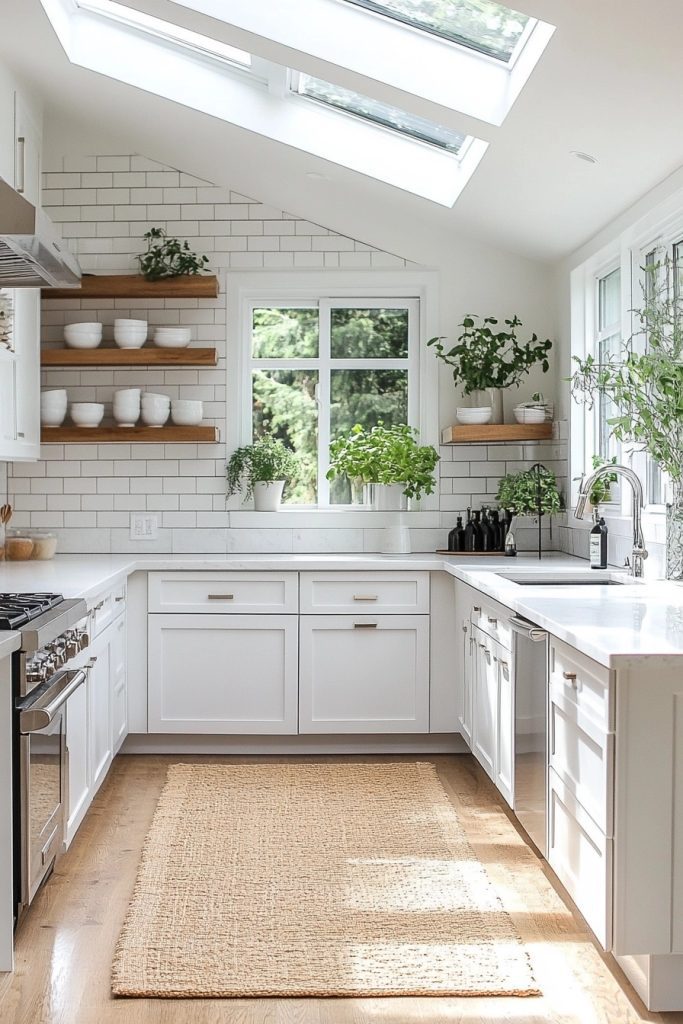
[
  {"x": 600, "y": 491},
  {"x": 537, "y": 401},
  {"x": 530, "y": 492},
  {"x": 264, "y": 461},
  {"x": 168, "y": 257},
  {"x": 644, "y": 381},
  {"x": 488, "y": 358},
  {"x": 385, "y": 455}
]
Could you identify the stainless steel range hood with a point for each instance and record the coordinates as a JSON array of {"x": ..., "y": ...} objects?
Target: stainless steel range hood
[{"x": 32, "y": 255}]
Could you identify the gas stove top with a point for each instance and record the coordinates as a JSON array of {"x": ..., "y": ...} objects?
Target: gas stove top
[{"x": 18, "y": 609}]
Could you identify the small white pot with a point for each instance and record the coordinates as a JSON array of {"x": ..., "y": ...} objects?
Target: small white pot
[
  {"x": 390, "y": 498},
  {"x": 396, "y": 538},
  {"x": 267, "y": 496}
]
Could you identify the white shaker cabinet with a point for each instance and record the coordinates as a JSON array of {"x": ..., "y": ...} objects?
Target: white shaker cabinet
[
  {"x": 362, "y": 674},
  {"x": 222, "y": 674}
]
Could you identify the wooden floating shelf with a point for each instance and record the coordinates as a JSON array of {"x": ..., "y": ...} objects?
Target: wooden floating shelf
[
  {"x": 134, "y": 286},
  {"x": 461, "y": 434},
  {"x": 126, "y": 435},
  {"x": 145, "y": 356}
]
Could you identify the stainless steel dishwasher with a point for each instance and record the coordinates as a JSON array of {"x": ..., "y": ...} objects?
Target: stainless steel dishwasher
[{"x": 530, "y": 688}]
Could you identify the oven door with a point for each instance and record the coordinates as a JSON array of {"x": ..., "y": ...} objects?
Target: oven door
[{"x": 42, "y": 764}]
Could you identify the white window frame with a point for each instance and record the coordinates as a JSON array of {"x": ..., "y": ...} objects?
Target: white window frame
[{"x": 335, "y": 288}]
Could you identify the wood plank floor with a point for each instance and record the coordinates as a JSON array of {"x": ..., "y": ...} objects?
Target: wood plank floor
[{"x": 65, "y": 943}]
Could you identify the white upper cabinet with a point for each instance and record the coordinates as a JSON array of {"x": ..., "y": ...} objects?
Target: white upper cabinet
[{"x": 27, "y": 148}]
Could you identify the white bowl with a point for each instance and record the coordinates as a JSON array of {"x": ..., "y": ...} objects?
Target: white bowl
[
  {"x": 83, "y": 335},
  {"x": 474, "y": 414},
  {"x": 133, "y": 325},
  {"x": 154, "y": 416},
  {"x": 130, "y": 340},
  {"x": 186, "y": 413},
  {"x": 526, "y": 415},
  {"x": 87, "y": 414},
  {"x": 128, "y": 395},
  {"x": 176, "y": 337},
  {"x": 126, "y": 415},
  {"x": 58, "y": 397},
  {"x": 52, "y": 416}
]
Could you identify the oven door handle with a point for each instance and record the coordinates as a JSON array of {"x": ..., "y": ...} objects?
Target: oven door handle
[{"x": 39, "y": 715}]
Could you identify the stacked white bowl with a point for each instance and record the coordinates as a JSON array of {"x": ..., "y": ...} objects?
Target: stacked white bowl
[
  {"x": 474, "y": 414},
  {"x": 127, "y": 407},
  {"x": 87, "y": 414},
  {"x": 172, "y": 337},
  {"x": 186, "y": 413},
  {"x": 130, "y": 333},
  {"x": 155, "y": 409},
  {"x": 525, "y": 414},
  {"x": 83, "y": 335},
  {"x": 53, "y": 408}
]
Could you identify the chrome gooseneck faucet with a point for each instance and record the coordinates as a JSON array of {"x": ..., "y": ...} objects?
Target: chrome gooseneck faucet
[{"x": 639, "y": 549}]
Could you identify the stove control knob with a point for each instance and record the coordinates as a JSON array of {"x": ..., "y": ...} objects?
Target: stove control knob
[
  {"x": 83, "y": 640},
  {"x": 72, "y": 647},
  {"x": 35, "y": 673}
]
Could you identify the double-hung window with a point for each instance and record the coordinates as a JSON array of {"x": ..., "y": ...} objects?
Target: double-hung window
[
  {"x": 607, "y": 349},
  {"x": 318, "y": 366}
]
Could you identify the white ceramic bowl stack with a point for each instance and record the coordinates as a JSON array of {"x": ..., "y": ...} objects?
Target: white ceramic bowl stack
[
  {"x": 525, "y": 414},
  {"x": 172, "y": 337},
  {"x": 155, "y": 409},
  {"x": 87, "y": 414},
  {"x": 83, "y": 335},
  {"x": 187, "y": 413},
  {"x": 474, "y": 414},
  {"x": 127, "y": 407},
  {"x": 53, "y": 408},
  {"x": 130, "y": 333}
]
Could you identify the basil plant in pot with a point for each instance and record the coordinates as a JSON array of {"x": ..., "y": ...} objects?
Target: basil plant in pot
[
  {"x": 530, "y": 492},
  {"x": 487, "y": 359},
  {"x": 644, "y": 382},
  {"x": 261, "y": 471}
]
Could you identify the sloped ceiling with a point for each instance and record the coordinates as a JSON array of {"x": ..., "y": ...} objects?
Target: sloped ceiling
[{"x": 608, "y": 84}]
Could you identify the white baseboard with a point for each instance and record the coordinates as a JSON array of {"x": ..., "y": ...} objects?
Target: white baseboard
[{"x": 447, "y": 743}]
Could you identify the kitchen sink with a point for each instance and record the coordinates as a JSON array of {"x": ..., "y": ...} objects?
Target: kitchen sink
[{"x": 529, "y": 579}]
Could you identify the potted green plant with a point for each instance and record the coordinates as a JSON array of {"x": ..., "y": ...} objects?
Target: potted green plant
[
  {"x": 261, "y": 470},
  {"x": 530, "y": 492},
  {"x": 485, "y": 359},
  {"x": 644, "y": 382},
  {"x": 389, "y": 457},
  {"x": 168, "y": 257}
]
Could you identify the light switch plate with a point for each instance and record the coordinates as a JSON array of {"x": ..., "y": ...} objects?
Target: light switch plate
[{"x": 144, "y": 526}]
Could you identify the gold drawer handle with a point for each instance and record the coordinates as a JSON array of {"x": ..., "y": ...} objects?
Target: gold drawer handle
[
  {"x": 122, "y": 597},
  {"x": 569, "y": 675},
  {"x": 492, "y": 622},
  {"x": 365, "y": 597},
  {"x": 365, "y": 625},
  {"x": 220, "y": 597},
  {"x": 98, "y": 606}
]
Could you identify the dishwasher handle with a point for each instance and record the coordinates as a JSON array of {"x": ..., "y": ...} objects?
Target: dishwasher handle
[{"x": 527, "y": 629}]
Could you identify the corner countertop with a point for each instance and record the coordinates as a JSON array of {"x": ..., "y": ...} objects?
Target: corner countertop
[
  {"x": 609, "y": 624},
  {"x": 9, "y": 642}
]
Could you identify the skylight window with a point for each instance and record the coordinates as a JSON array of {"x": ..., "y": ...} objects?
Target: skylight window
[
  {"x": 482, "y": 25},
  {"x": 379, "y": 113},
  {"x": 167, "y": 32}
]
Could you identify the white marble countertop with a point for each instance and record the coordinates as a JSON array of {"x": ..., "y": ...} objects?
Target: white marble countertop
[
  {"x": 9, "y": 642},
  {"x": 608, "y": 624}
]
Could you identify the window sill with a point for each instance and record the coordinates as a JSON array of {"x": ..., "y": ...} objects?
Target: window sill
[{"x": 323, "y": 518}]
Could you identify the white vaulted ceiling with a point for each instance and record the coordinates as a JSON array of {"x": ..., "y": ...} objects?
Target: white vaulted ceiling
[{"x": 607, "y": 84}]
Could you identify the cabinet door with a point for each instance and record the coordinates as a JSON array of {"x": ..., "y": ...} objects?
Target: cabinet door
[
  {"x": 8, "y": 420},
  {"x": 118, "y": 684},
  {"x": 364, "y": 675},
  {"x": 504, "y": 725},
  {"x": 485, "y": 708},
  {"x": 468, "y": 676},
  {"x": 27, "y": 145},
  {"x": 100, "y": 710},
  {"x": 78, "y": 754},
  {"x": 27, "y": 374},
  {"x": 222, "y": 674}
]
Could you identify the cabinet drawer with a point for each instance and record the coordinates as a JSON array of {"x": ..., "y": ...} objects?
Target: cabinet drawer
[
  {"x": 236, "y": 592},
  {"x": 492, "y": 618},
  {"x": 107, "y": 607},
  {"x": 583, "y": 682},
  {"x": 388, "y": 593},
  {"x": 582, "y": 755},
  {"x": 581, "y": 857}
]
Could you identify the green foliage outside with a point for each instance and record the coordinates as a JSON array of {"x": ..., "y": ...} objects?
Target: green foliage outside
[
  {"x": 385, "y": 455},
  {"x": 601, "y": 489},
  {"x": 529, "y": 492},
  {"x": 262, "y": 462},
  {"x": 488, "y": 358},
  {"x": 646, "y": 385}
]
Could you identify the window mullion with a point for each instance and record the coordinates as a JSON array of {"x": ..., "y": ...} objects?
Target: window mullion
[{"x": 324, "y": 391}]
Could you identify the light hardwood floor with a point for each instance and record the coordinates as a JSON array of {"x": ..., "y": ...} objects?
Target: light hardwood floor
[{"x": 65, "y": 943}]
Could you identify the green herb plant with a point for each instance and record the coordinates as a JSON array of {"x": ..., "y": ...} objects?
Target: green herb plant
[
  {"x": 600, "y": 491},
  {"x": 168, "y": 257},
  {"x": 486, "y": 357},
  {"x": 530, "y": 492},
  {"x": 645, "y": 380},
  {"x": 264, "y": 461},
  {"x": 385, "y": 455}
]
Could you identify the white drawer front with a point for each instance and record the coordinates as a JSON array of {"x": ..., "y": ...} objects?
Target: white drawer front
[
  {"x": 582, "y": 755},
  {"x": 237, "y": 592},
  {"x": 388, "y": 593},
  {"x": 583, "y": 682},
  {"x": 107, "y": 607},
  {"x": 492, "y": 619},
  {"x": 581, "y": 857}
]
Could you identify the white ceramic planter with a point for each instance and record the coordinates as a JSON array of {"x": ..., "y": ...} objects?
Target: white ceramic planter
[
  {"x": 267, "y": 496},
  {"x": 390, "y": 498},
  {"x": 492, "y": 397}
]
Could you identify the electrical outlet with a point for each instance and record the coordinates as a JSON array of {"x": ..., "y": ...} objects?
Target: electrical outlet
[{"x": 144, "y": 526}]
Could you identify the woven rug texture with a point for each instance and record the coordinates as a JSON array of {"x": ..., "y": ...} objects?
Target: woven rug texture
[{"x": 313, "y": 880}]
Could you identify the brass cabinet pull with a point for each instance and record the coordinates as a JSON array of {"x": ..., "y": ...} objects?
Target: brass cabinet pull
[
  {"x": 365, "y": 597},
  {"x": 475, "y": 608},
  {"x": 220, "y": 597},
  {"x": 492, "y": 622},
  {"x": 571, "y": 676}
]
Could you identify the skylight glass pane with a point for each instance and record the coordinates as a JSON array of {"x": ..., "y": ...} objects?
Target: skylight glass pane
[
  {"x": 381, "y": 113},
  {"x": 481, "y": 25},
  {"x": 166, "y": 31}
]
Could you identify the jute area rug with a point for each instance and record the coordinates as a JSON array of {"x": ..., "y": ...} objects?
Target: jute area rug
[{"x": 313, "y": 880}]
